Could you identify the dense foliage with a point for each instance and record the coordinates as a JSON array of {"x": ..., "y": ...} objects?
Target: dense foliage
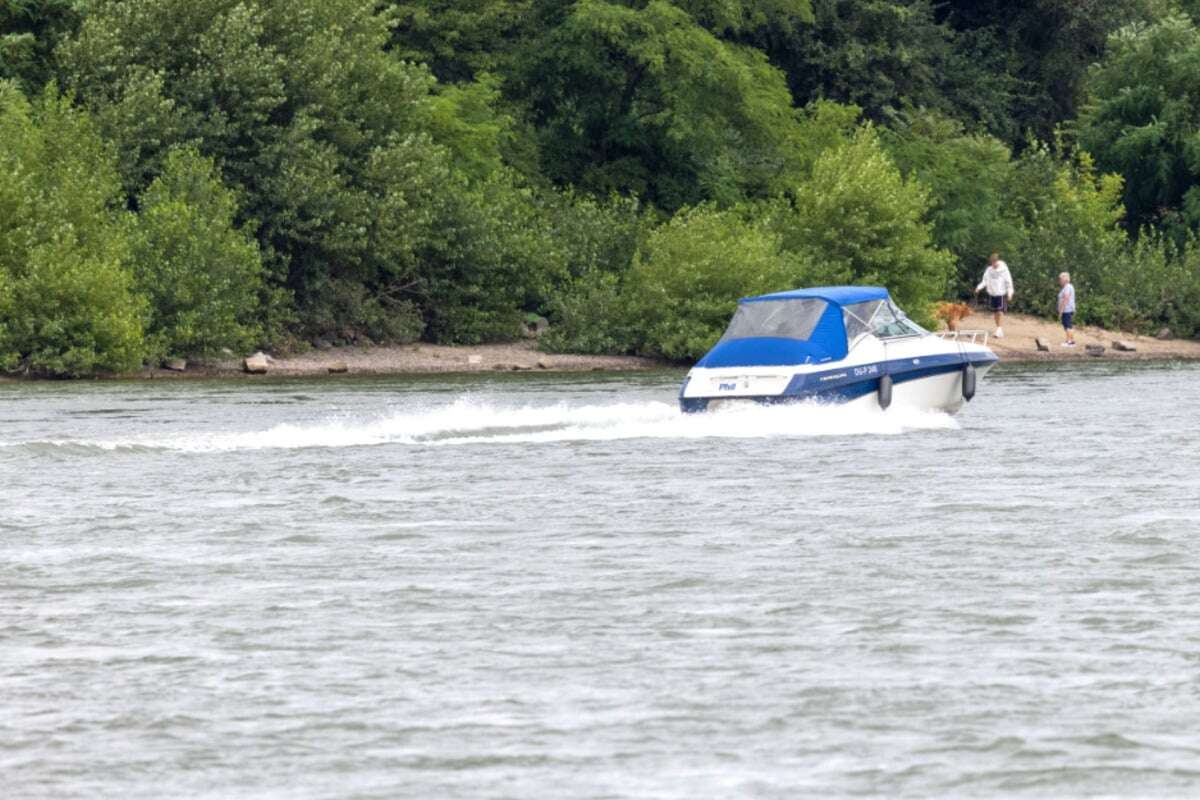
[
  {"x": 179, "y": 177},
  {"x": 1144, "y": 123},
  {"x": 682, "y": 287},
  {"x": 864, "y": 222},
  {"x": 67, "y": 300},
  {"x": 202, "y": 276}
]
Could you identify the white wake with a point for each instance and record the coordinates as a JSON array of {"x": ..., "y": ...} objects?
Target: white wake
[{"x": 478, "y": 421}]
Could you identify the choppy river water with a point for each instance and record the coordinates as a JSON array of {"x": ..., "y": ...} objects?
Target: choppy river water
[{"x": 558, "y": 587}]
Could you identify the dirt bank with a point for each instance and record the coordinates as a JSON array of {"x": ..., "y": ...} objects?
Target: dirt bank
[
  {"x": 1018, "y": 344},
  {"x": 416, "y": 359},
  {"x": 1021, "y": 331}
]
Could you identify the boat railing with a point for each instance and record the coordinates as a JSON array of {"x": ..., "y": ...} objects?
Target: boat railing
[{"x": 970, "y": 337}]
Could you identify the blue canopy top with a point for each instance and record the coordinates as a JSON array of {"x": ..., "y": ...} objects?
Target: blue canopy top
[
  {"x": 841, "y": 295},
  {"x": 803, "y": 326}
]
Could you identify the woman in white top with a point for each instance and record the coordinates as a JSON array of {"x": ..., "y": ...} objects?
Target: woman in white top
[{"x": 998, "y": 281}]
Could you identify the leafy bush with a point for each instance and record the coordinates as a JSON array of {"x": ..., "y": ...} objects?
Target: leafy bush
[
  {"x": 596, "y": 234},
  {"x": 1071, "y": 221},
  {"x": 1154, "y": 282},
  {"x": 66, "y": 296},
  {"x": 1178, "y": 305},
  {"x": 599, "y": 240},
  {"x": 348, "y": 311},
  {"x": 492, "y": 256},
  {"x": 589, "y": 316},
  {"x": 684, "y": 286},
  {"x": 855, "y": 220},
  {"x": 201, "y": 274}
]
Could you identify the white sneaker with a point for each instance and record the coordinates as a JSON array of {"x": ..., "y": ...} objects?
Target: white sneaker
[
  {"x": 999, "y": 334},
  {"x": 1068, "y": 344}
]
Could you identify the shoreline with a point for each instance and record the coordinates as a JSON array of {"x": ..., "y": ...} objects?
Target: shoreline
[
  {"x": 1018, "y": 346},
  {"x": 400, "y": 360}
]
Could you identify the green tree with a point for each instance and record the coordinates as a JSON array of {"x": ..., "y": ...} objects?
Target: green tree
[
  {"x": 462, "y": 39},
  {"x": 29, "y": 32},
  {"x": 324, "y": 135},
  {"x": 201, "y": 274},
  {"x": 1143, "y": 122},
  {"x": 646, "y": 101},
  {"x": 746, "y": 17},
  {"x": 66, "y": 297},
  {"x": 866, "y": 223},
  {"x": 1071, "y": 217},
  {"x": 884, "y": 55},
  {"x": 969, "y": 177},
  {"x": 1045, "y": 47},
  {"x": 468, "y": 120}
]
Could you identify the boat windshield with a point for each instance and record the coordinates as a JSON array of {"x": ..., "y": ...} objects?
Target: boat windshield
[
  {"x": 879, "y": 317},
  {"x": 782, "y": 319}
]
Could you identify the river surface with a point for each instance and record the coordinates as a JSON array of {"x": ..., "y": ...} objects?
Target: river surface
[{"x": 558, "y": 587}]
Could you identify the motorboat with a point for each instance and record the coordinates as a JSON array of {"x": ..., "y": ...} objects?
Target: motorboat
[{"x": 836, "y": 344}]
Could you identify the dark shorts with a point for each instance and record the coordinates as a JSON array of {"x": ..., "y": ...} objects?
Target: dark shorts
[
  {"x": 999, "y": 302},
  {"x": 1068, "y": 320}
]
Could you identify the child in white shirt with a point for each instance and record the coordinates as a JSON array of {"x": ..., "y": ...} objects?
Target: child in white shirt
[{"x": 1066, "y": 307}]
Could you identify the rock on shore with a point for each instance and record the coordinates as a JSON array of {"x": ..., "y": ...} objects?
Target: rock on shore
[{"x": 257, "y": 364}]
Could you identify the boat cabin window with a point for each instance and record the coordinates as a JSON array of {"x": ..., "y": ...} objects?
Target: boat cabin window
[
  {"x": 879, "y": 317},
  {"x": 782, "y": 319}
]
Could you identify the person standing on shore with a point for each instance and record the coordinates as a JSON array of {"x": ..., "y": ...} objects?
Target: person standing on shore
[
  {"x": 1066, "y": 307},
  {"x": 998, "y": 281}
]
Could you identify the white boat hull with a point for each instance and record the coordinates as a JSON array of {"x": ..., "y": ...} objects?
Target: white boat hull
[
  {"x": 926, "y": 373},
  {"x": 942, "y": 392}
]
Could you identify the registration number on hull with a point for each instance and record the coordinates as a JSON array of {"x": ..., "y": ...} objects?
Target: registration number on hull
[{"x": 766, "y": 384}]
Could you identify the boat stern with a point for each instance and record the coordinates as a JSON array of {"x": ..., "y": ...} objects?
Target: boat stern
[{"x": 705, "y": 388}]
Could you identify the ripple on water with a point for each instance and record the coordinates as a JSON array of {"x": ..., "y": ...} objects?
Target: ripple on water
[{"x": 562, "y": 587}]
